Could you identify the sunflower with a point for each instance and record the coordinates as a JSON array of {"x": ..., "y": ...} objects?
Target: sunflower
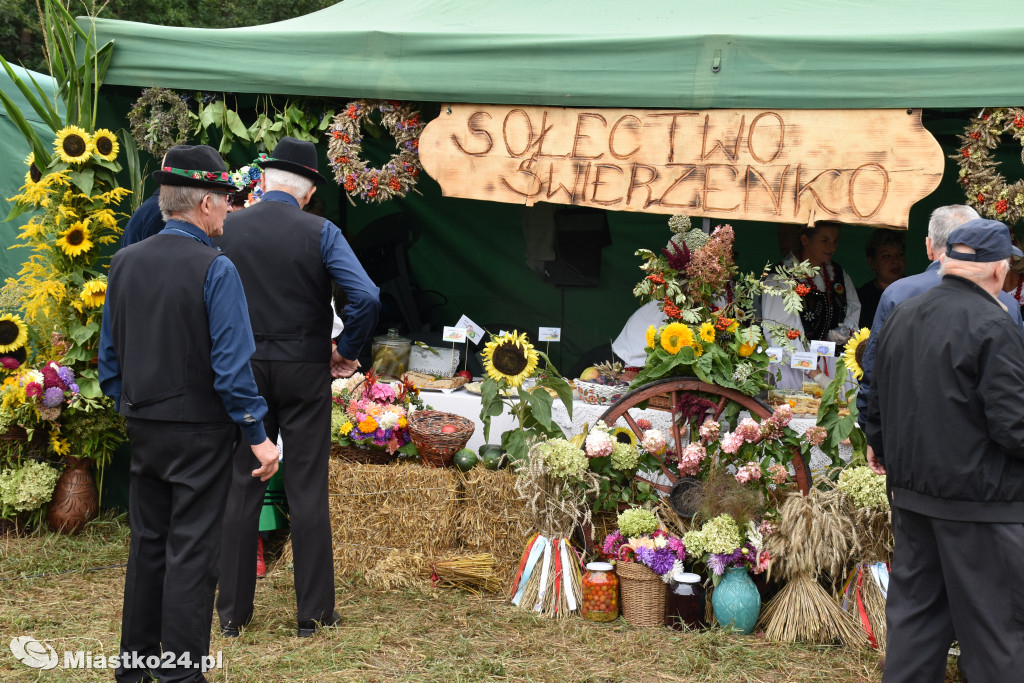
[
  {"x": 13, "y": 333},
  {"x": 650, "y": 338},
  {"x": 73, "y": 145},
  {"x": 851, "y": 356},
  {"x": 623, "y": 435},
  {"x": 75, "y": 240},
  {"x": 698, "y": 350},
  {"x": 675, "y": 336},
  {"x": 33, "y": 175},
  {"x": 105, "y": 144},
  {"x": 60, "y": 446},
  {"x": 94, "y": 292},
  {"x": 707, "y": 332},
  {"x": 510, "y": 357}
]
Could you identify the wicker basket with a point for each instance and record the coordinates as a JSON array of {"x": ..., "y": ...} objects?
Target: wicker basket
[
  {"x": 361, "y": 455},
  {"x": 599, "y": 394},
  {"x": 436, "y": 448},
  {"x": 643, "y": 594}
]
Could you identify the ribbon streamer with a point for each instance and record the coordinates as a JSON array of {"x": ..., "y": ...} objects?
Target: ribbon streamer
[
  {"x": 544, "y": 571},
  {"x": 540, "y": 543}
]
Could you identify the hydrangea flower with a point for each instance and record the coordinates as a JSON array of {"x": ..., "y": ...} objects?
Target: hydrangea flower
[
  {"x": 653, "y": 441},
  {"x": 625, "y": 457},
  {"x": 749, "y": 430},
  {"x": 599, "y": 444},
  {"x": 778, "y": 473},
  {"x": 710, "y": 430},
  {"x": 691, "y": 458},
  {"x": 731, "y": 442},
  {"x": 637, "y": 522},
  {"x": 749, "y": 472},
  {"x": 562, "y": 458}
]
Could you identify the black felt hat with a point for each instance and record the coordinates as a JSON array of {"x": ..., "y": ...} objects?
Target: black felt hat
[
  {"x": 194, "y": 166},
  {"x": 297, "y": 156}
]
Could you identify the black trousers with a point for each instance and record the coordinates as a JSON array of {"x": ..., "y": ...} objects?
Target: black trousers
[
  {"x": 955, "y": 581},
  {"x": 179, "y": 477},
  {"x": 299, "y": 401}
]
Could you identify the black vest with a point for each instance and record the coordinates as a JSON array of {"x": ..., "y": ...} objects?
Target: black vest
[
  {"x": 161, "y": 332},
  {"x": 276, "y": 248}
]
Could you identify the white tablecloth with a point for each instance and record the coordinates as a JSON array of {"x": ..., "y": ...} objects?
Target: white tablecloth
[{"x": 462, "y": 402}]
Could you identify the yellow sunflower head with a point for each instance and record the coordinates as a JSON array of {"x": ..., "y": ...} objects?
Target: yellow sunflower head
[
  {"x": 651, "y": 336},
  {"x": 94, "y": 292},
  {"x": 707, "y": 332},
  {"x": 698, "y": 350},
  {"x": 73, "y": 145},
  {"x": 105, "y": 144},
  {"x": 733, "y": 326},
  {"x": 60, "y": 446},
  {"x": 75, "y": 240},
  {"x": 623, "y": 435},
  {"x": 855, "y": 351},
  {"x": 13, "y": 333},
  {"x": 510, "y": 357},
  {"x": 675, "y": 336}
]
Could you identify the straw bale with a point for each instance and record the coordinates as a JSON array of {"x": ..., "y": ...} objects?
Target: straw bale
[
  {"x": 378, "y": 509},
  {"x": 492, "y": 519}
]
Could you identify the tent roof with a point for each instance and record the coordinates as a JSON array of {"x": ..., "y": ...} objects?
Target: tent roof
[{"x": 657, "y": 53}]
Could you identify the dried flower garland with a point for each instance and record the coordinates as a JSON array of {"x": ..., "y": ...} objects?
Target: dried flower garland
[
  {"x": 352, "y": 172},
  {"x": 986, "y": 188},
  {"x": 159, "y": 120}
]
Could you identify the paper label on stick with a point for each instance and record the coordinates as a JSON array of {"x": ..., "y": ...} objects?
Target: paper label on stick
[
  {"x": 803, "y": 360},
  {"x": 454, "y": 334},
  {"x": 474, "y": 332},
  {"x": 549, "y": 334},
  {"x": 823, "y": 348},
  {"x": 774, "y": 354}
]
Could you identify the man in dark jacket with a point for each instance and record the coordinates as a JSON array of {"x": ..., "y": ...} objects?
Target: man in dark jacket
[
  {"x": 945, "y": 423},
  {"x": 287, "y": 259},
  {"x": 174, "y": 354}
]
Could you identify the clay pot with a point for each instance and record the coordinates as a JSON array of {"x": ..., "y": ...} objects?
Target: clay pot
[{"x": 75, "y": 499}]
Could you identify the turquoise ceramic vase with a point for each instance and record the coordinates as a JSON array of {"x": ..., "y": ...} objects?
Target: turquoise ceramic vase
[{"x": 736, "y": 601}]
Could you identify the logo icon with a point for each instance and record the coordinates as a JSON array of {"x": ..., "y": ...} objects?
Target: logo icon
[{"x": 31, "y": 652}]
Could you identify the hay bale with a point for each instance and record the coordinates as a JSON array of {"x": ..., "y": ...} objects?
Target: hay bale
[
  {"x": 378, "y": 509},
  {"x": 492, "y": 519}
]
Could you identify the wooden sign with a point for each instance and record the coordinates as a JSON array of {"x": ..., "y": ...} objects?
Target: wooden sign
[{"x": 792, "y": 166}]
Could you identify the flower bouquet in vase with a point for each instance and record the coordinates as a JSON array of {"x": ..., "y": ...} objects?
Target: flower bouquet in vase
[
  {"x": 369, "y": 418},
  {"x": 645, "y": 557}
]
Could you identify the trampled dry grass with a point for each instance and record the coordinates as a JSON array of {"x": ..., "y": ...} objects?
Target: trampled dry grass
[{"x": 440, "y": 635}]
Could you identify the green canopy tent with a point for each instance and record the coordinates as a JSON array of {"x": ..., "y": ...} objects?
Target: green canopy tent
[
  {"x": 14, "y": 148},
  {"x": 661, "y": 53}
]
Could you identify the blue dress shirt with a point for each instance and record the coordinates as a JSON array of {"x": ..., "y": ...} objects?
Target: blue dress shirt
[
  {"x": 145, "y": 222},
  {"x": 344, "y": 268},
  {"x": 231, "y": 336},
  {"x": 896, "y": 293}
]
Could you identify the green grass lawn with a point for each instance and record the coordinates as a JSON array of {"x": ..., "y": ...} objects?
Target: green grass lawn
[{"x": 442, "y": 635}]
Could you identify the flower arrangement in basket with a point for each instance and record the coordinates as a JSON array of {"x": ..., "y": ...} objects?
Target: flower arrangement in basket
[
  {"x": 645, "y": 556},
  {"x": 370, "y": 418},
  {"x": 713, "y": 331}
]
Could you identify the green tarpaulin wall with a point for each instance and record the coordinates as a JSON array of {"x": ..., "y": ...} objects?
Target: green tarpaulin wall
[{"x": 661, "y": 53}]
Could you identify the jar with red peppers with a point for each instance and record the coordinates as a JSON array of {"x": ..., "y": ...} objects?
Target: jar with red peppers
[{"x": 600, "y": 592}]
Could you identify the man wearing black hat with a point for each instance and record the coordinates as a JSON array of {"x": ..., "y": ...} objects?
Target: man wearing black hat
[
  {"x": 945, "y": 424},
  {"x": 290, "y": 308},
  {"x": 174, "y": 354}
]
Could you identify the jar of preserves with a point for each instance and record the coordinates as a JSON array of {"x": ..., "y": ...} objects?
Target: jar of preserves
[
  {"x": 391, "y": 354},
  {"x": 600, "y": 592},
  {"x": 686, "y": 602}
]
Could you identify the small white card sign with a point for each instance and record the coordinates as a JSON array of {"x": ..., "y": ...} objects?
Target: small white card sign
[
  {"x": 803, "y": 360},
  {"x": 454, "y": 334},
  {"x": 823, "y": 348},
  {"x": 774, "y": 354},
  {"x": 549, "y": 334},
  {"x": 474, "y": 332}
]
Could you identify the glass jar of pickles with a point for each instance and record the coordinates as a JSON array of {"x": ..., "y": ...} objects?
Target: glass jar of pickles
[
  {"x": 391, "y": 354},
  {"x": 600, "y": 592}
]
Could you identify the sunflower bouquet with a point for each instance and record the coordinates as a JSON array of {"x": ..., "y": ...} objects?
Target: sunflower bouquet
[
  {"x": 509, "y": 360},
  {"x": 713, "y": 331}
]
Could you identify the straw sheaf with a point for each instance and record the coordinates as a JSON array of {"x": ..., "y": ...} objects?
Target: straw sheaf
[
  {"x": 555, "y": 506},
  {"x": 815, "y": 536},
  {"x": 804, "y": 612},
  {"x": 494, "y": 520}
]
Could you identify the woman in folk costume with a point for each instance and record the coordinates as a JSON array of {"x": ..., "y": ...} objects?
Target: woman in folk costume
[{"x": 831, "y": 307}]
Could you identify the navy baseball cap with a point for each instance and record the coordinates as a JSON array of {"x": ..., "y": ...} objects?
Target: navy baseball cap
[{"x": 990, "y": 241}]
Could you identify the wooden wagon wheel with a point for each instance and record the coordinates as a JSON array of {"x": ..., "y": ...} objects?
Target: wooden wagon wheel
[{"x": 673, "y": 388}]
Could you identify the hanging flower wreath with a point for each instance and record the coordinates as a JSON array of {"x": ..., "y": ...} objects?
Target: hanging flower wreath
[
  {"x": 399, "y": 174},
  {"x": 986, "y": 188},
  {"x": 160, "y": 120}
]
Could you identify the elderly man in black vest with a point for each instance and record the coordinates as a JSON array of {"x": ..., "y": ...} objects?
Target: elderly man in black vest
[
  {"x": 174, "y": 354},
  {"x": 288, "y": 259}
]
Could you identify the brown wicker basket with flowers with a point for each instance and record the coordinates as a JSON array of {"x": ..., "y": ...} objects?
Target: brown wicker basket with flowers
[{"x": 438, "y": 435}]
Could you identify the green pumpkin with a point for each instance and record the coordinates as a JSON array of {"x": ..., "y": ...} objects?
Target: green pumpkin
[
  {"x": 465, "y": 459},
  {"x": 493, "y": 458}
]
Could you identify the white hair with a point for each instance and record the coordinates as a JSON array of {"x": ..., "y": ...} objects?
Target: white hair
[
  {"x": 976, "y": 272},
  {"x": 292, "y": 183},
  {"x": 945, "y": 219},
  {"x": 180, "y": 200}
]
